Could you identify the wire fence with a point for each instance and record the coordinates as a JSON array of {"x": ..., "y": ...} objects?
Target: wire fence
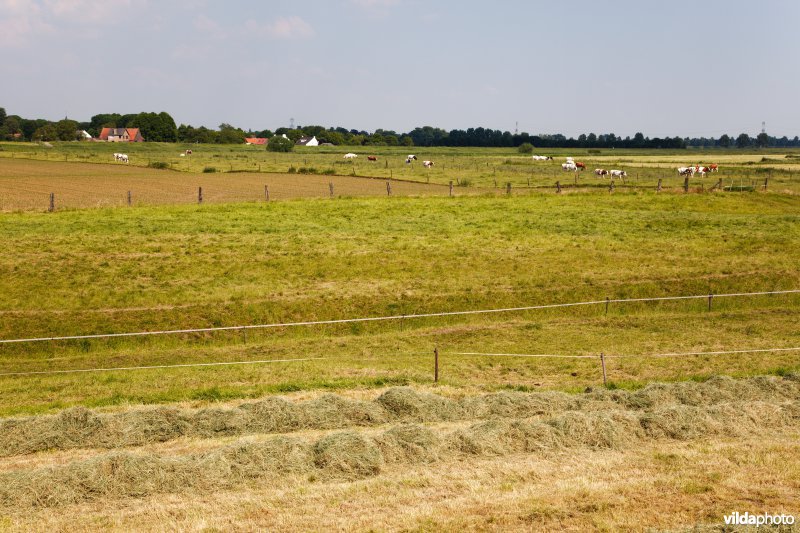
[{"x": 605, "y": 302}]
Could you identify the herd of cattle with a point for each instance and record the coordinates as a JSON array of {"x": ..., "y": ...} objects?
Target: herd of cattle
[
  {"x": 570, "y": 165},
  {"x": 409, "y": 159},
  {"x": 575, "y": 166}
]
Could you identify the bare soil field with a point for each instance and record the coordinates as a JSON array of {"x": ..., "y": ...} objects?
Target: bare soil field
[{"x": 26, "y": 184}]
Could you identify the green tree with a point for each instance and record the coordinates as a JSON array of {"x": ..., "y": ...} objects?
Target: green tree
[
  {"x": 725, "y": 140},
  {"x": 155, "y": 127},
  {"x": 2, "y": 115},
  {"x": 45, "y": 133},
  {"x": 279, "y": 143},
  {"x": 230, "y": 135},
  {"x": 762, "y": 140},
  {"x": 66, "y": 130},
  {"x": 525, "y": 148},
  {"x": 743, "y": 140}
]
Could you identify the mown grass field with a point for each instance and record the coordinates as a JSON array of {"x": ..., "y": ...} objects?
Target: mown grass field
[
  {"x": 509, "y": 443},
  {"x": 156, "y": 268}
]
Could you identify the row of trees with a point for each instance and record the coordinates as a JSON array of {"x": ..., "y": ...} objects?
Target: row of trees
[{"x": 160, "y": 127}]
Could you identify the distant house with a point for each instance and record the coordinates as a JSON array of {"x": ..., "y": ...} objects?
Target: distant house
[
  {"x": 307, "y": 141},
  {"x": 121, "y": 135},
  {"x": 83, "y": 134},
  {"x": 256, "y": 140}
]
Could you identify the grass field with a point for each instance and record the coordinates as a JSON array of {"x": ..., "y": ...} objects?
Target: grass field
[
  {"x": 246, "y": 169},
  {"x": 497, "y": 430}
]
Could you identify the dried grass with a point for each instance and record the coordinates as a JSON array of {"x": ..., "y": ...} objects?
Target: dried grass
[
  {"x": 83, "y": 428},
  {"x": 353, "y": 455}
]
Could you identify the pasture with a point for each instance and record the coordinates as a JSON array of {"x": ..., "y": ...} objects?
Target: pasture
[
  {"x": 342, "y": 424},
  {"x": 239, "y": 173}
]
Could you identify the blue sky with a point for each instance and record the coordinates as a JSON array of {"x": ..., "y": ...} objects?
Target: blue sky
[{"x": 688, "y": 68}]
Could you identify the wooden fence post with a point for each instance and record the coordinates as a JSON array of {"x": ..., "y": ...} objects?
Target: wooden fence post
[
  {"x": 558, "y": 187},
  {"x": 266, "y": 193},
  {"x": 52, "y": 206},
  {"x": 199, "y": 195},
  {"x": 658, "y": 187},
  {"x": 710, "y": 296},
  {"x": 129, "y": 198},
  {"x": 603, "y": 364},
  {"x": 436, "y": 365},
  {"x": 388, "y": 188},
  {"x": 686, "y": 184},
  {"x": 330, "y": 186},
  {"x": 766, "y": 180},
  {"x": 607, "y": 302},
  {"x": 611, "y": 187},
  {"x": 508, "y": 188},
  {"x": 451, "y": 188}
]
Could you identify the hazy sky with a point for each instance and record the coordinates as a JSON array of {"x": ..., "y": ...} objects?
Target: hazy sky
[{"x": 665, "y": 68}]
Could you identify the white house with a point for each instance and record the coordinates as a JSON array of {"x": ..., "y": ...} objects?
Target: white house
[{"x": 307, "y": 141}]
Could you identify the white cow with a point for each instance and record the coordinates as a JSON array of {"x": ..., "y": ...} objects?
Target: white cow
[
  {"x": 410, "y": 158},
  {"x": 542, "y": 158},
  {"x": 350, "y": 156},
  {"x": 618, "y": 174},
  {"x": 427, "y": 164},
  {"x": 569, "y": 165},
  {"x": 686, "y": 171},
  {"x": 123, "y": 158}
]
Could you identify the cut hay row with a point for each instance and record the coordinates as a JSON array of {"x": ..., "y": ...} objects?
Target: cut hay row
[
  {"x": 83, "y": 428},
  {"x": 351, "y": 455}
]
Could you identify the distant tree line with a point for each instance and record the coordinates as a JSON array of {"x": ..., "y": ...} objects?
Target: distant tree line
[{"x": 161, "y": 127}]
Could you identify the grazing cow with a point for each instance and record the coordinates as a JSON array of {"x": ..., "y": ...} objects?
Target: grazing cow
[
  {"x": 188, "y": 152},
  {"x": 701, "y": 170},
  {"x": 427, "y": 164},
  {"x": 122, "y": 158},
  {"x": 372, "y": 158},
  {"x": 542, "y": 158},
  {"x": 350, "y": 156},
  {"x": 618, "y": 174},
  {"x": 581, "y": 166},
  {"x": 570, "y": 160},
  {"x": 410, "y": 158},
  {"x": 713, "y": 167},
  {"x": 569, "y": 166},
  {"x": 601, "y": 172},
  {"x": 686, "y": 171}
]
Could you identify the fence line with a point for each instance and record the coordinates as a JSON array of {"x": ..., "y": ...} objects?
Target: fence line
[
  {"x": 390, "y": 317},
  {"x": 150, "y": 367},
  {"x": 725, "y": 352},
  {"x": 266, "y": 361}
]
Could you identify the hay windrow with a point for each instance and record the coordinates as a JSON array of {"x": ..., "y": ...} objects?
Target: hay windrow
[
  {"x": 79, "y": 427},
  {"x": 350, "y": 455},
  {"x": 405, "y": 403}
]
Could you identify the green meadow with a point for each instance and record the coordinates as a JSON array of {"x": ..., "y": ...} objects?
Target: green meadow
[{"x": 92, "y": 271}]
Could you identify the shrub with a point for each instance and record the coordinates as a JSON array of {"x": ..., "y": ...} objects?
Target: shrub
[
  {"x": 158, "y": 164},
  {"x": 280, "y": 144},
  {"x": 525, "y": 148},
  {"x": 292, "y": 170},
  {"x": 329, "y": 172},
  {"x": 209, "y": 170},
  {"x": 593, "y": 151}
]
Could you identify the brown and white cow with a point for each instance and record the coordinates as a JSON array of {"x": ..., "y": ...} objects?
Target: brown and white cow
[{"x": 601, "y": 172}]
